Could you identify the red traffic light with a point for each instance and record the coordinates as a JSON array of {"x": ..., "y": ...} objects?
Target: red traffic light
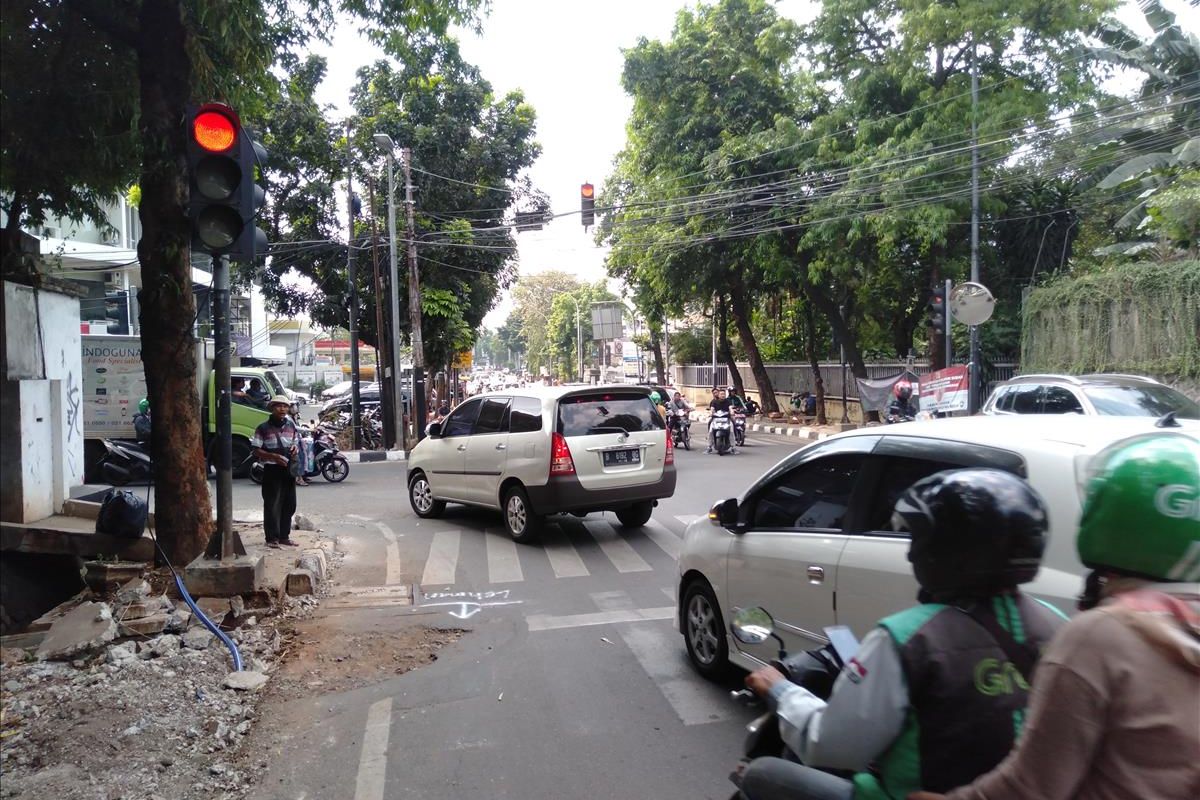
[
  {"x": 586, "y": 190},
  {"x": 215, "y": 129}
]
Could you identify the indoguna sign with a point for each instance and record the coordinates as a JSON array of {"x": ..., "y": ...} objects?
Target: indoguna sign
[
  {"x": 945, "y": 390},
  {"x": 113, "y": 383}
]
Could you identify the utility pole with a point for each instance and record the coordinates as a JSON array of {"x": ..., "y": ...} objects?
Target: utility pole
[
  {"x": 714, "y": 342},
  {"x": 383, "y": 343},
  {"x": 842, "y": 355},
  {"x": 355, "y": 408},
  {"x": 974, "y": 373},
  {"x": 414, "y": 302},
  {"x": 226, "y": 544}
]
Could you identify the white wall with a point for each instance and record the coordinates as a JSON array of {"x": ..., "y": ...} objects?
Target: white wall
[{"x": 44, "y": 380}]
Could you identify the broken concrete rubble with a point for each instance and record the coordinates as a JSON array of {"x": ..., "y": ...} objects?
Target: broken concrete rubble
[
  {"x": 301, "y": 522},
  {"x": 86, "y": 627},
  {"x": 102, "y": 576},
  {"x": 133, "y": 591},
  {"x": 197, "y": 638},
  {"x": 245, "y": 681}
]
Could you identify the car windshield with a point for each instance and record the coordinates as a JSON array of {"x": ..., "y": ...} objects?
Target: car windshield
[
  {"x": 608, "y": 412},
  {"x": 1141, "y": 401},
  {"x": 276, "y": 385}
]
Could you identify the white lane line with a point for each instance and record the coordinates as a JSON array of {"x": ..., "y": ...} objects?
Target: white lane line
[
  {"x": 619, "y": 552},
  {"x": 392, "y": 575},
  {"x": 664, "y": 538},
  {"x": 612, "y": 601},
  {"x": 504, "y": 566},
  {"x": 664, "y": 662},
  {"x": 442, "y": 563},
  {"x": 372, "y": 766},
  {"x": 687, "y": 519},
  {"x": 564, "y": 559},
  {"x": 548, "y": 622}
]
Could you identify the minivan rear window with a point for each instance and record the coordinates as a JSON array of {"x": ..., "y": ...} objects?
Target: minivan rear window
[{"x": 607, "y": 412}]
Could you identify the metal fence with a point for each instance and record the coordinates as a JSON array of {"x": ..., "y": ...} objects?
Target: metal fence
[{"x": 789, "y": 378}]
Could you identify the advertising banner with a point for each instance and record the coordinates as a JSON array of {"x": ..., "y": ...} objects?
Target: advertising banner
[
  {"x": 113, "y": 383},
  {"x": 945, "y": 390}
]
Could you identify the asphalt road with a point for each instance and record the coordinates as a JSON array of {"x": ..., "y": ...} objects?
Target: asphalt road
[{"x": 571, "y": 682}]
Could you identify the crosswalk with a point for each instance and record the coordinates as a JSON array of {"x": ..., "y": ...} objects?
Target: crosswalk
[{"x": 572, "y": 549}]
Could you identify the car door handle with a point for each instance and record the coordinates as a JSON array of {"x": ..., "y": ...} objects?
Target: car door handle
[
  {"x": 815, "y": 574},
  {"x": 501, "y": 447},
  {"x": 462, "y": 447}
]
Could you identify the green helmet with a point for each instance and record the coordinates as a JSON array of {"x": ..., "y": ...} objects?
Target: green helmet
[
  {"x": 1142, "y": 512},
  {"x": 655, "y": 398},
  {"x": 143, "y": 406}
]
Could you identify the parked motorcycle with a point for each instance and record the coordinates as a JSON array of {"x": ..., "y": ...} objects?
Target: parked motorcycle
[
  {"x": 815, "y": 670},
  {"x": 125, "y": 462},
  {"x": 739, "y": 427},
  {"x": 328, "y": 462},
  {"x": 722, "y": 438},
  {"x": 680, "y": 423}
]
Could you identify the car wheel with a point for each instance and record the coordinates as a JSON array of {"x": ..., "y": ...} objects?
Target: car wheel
[
  {"x": 636, "y": 515},
  {"x": 522, "y": 524},
  {"x": 335, "y": 469},
  {"x": 704, "y": 631},
  {"x": 256, "y": 472},
  {"x": 420, "y": 497},
  {"x": 687, "y": 439},
  {"x": 241, "y": 456}
]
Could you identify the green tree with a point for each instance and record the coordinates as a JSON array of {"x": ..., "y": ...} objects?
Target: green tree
[
  {"x": 533, "y": 299},
  {"x": 562, "y": 342}
]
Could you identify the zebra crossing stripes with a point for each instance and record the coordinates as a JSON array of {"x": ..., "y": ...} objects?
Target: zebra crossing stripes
[
  {"x": 664, "y": 538},
  {"x": 619, "y": 552},
  {"x": 504, "y": 565},
  {"x": 564, "y": 559},
  {"x": 442, "y": 563}
]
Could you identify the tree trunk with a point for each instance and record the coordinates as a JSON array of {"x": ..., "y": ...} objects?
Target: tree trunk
[
  {"x": 183, "y": 517},
  {"x": 937, "y": 337},
  {"x": 657, "y": 348},
  {"x": 725, "y": 351},
  {"x": 845, "y": 335},
  {"x": 741, "y": 318},
  {"x": 810, "y": 335}
]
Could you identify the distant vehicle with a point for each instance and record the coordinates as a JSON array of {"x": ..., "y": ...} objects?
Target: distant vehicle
[
  {"x": 337, "y": 390},
  {"x": 1090, "y": 395},
  {"x": 297, "y": 398}
]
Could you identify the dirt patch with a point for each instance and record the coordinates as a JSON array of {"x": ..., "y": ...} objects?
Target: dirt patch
[{"x": 321, "y": 657}]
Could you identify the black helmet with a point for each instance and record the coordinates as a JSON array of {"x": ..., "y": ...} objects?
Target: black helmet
[{"x": 974, "y": 532}]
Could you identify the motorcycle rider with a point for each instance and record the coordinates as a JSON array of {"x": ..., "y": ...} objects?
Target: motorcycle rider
[
  {"x": 901, "y": 405},
  {"x": 936, "y": 694},
  {"x": 657, "y": 399},
  {"x": 1109, "y": 716},
  {"x": 719, "y": 403},
  {"x": 142, "y": 426}
]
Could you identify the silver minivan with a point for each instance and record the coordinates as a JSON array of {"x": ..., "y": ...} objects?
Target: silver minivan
[{"x": 546, "y": 450}]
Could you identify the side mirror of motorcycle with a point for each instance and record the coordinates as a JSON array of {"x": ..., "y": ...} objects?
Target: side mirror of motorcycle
[
  {"x": 725, "y": 513},
  {"x": 752, "y": 625},
  {"x": 434, "y": 431}
]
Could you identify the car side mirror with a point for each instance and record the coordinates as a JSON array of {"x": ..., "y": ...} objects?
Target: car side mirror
[
  {"x": 725, "y": 514},
  {"x": 434, "y": 431}
]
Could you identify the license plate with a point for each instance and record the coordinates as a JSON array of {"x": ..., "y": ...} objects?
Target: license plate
[{"x": 622, "y": 458}]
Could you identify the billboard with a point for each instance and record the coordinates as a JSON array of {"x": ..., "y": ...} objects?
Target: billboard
[
  {"x": 113, "y": 383},
  {"x": 945, "y": 390},
  {"x": 607, "y": 320}
]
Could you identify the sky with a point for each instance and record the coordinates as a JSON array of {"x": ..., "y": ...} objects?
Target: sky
[{"x": 566, "y": 57}]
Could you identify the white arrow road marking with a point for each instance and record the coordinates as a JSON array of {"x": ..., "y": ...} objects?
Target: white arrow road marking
[{"x": 372, "y": 765}]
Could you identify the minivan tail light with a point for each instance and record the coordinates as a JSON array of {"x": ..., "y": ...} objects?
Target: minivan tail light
[
  {"x": 670, "y": 457},
  {"x": 561, "y": 462}
]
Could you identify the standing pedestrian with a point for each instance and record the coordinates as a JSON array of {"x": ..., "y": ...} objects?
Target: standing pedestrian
[{"x": 276, "y": 444}]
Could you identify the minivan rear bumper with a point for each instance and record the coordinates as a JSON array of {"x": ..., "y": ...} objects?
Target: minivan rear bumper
[{"x": 563, "y": 493}]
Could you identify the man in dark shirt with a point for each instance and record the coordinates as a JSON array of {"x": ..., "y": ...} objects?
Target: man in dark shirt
[
  {"x": 719, "y": 403},
  {"x": 276, "y": 444},
  {"x": 257, "y": 393}
]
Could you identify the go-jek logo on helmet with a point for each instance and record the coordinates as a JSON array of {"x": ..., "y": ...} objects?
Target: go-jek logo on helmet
[{"x": 1178, "y": 501}]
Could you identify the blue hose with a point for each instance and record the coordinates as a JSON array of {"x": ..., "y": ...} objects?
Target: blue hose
[{"x": 220, "y": 634}]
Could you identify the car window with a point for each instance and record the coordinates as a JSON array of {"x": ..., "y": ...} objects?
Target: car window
[
  {"x": 1004, "y": 399},
  {"x": 813, "y": 495},
  {"x": 462, "y": 419},
  {"x": 607, "y": 412},
  {"x": 897, "y": 476},
  {"x": 526, "y": 415},
  {"x": 493, "y": 416},
  {"x": 1141, "y": 401},
  {"x": 1060, "y": 400},
  {"x": 1025, "y": 399}
]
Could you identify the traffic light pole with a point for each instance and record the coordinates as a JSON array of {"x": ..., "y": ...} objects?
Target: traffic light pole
[
  {"x": 224, "y": 543},
  {"x": 946, "y": 325},
  {"x": 414, "y": 303}
]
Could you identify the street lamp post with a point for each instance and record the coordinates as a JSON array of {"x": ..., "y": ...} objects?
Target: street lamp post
[{"x": 385, "y": 143}]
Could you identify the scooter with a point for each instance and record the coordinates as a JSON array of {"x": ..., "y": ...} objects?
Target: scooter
[
  {"x": 720, "y": 432},
  {"x": 125, "y": 462},
  {"x": 815, "y": 670},
  {"x": 681, "y": 424},
  {"x": 328, "y": 462},
  {"x": 739, "y": 428}
]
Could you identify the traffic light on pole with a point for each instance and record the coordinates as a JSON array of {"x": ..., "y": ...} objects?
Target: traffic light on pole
[
  {"x": 587, "y": 197},
  {"x": 223, "y": 198},
  {"x": 937, "y": 308}
]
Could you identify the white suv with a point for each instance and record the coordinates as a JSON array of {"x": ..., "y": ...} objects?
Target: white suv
[
  {"x": 809, "y": 541},
  {"x": 546, "y": 450}
]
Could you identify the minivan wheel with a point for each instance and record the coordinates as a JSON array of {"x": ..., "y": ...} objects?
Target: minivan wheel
[
  {"x": 522, "y": 524},
  {"x": 636, "y": 515},
  {"x": 420, "y": 497},
  {"x": 704, "y": 631}
]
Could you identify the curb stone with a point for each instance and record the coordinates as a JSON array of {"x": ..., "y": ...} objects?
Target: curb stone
[
  {"x": 782, "y": 430},
  {"x": 368, "y": 456}
]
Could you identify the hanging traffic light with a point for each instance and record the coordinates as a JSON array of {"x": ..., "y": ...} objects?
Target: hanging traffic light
[
  {"x": 937, "y": 308},
  {"x": 223, "y": 198},
  {"x": 587, "y": 196}
]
